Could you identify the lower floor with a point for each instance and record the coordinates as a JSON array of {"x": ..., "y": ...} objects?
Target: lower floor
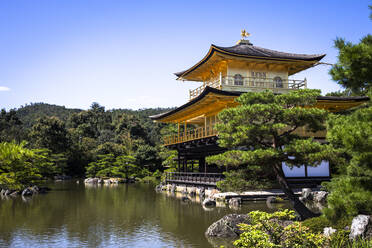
[{"x": 192, "y": 168}]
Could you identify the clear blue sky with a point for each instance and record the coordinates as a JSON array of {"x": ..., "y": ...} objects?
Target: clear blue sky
[{"x": 123, "y": 54}]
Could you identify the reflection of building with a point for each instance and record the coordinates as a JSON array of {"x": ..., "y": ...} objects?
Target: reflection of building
[{"x": 225, "y": 73}]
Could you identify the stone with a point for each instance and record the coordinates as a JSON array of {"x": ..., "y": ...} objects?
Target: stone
[
  {"x": 158, "y": 187},
  {"x": 2, "y": 192},
  {"x": 27, "y": 192},
  {"x": 306, "y": 193},
  {"x": 235, "y": 202},
  {"x": 192, "y": 191},
  {"x": 328, "y": 231},
  {"x": 173, "y": 188},
  {"x": 14, "y": 193},
  {"x": 271, "y": 199},
  {"x": 107, "y": 181},
  {"x": 8, "y": 192},
  {"x": 361, "y": 227},
  {"x": 227, "y": 226},
  {"x": 320, "y": 196},
  {"x": 35, "y": 189},
  {"x": 209, "y": 202}
]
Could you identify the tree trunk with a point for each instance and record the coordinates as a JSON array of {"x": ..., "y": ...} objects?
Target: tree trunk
[{"x": 299, "y": 207}]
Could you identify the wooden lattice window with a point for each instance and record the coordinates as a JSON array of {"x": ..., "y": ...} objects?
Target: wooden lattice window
[
  {"x": 278, "y": 82},
  {"x": 238, "y": 79}
]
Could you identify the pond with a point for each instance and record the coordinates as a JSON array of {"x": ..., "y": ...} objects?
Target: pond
[{"x": 126, "y": 215}]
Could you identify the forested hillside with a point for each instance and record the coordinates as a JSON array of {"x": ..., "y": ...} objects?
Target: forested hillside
[{"x": 96, "y": 139}]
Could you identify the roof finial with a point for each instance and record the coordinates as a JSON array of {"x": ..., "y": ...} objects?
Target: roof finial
[
  {"x": 244, "y": 34},
  {"x": 244, "y": 41}
]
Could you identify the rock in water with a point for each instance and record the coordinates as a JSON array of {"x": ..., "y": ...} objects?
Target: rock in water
[
  {"x": 361, "y": 226},
  {"x": 320, "y": 196},
  {"x": 227, "y": 226},
  {"x": 306, "y": 193},
  {"x": 235, "y": 202},
  {"x": 27, "y": 192},
  {"x": 158, "y": 187},
  {"x": 209, "y": 202},
  {"x": 271, "y": 199}
]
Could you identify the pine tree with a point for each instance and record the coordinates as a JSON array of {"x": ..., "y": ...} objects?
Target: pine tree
[{"x": 261, "y": 131}]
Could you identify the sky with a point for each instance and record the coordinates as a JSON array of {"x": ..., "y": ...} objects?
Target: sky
[{"x": 122, "y": 54}]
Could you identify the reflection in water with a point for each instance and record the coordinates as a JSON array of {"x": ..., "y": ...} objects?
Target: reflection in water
[{"x": 76, "y": 215}]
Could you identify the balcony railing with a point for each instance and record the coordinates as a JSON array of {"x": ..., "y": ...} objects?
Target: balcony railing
[
  {"x": 251, "y": 84},
  {"x": 209, "y": 131},
  {"x": 194, "y": 134},
  {"x": 193, "y": 178}
]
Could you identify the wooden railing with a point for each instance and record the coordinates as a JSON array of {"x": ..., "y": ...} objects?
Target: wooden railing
[
  {"x": 199, "y": 133},
  {"x": 251, "y": 83},
  {"x": 195, "y": 92},
  {"x": 193, "y": 178},
  {"x": 194, "y": 134}
]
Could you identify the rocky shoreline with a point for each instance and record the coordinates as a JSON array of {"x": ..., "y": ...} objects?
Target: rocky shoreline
[
  {"x": 29, "y": 191},
  {"x": 107, "y": 181},
  {"x": 211, "y": 197}
]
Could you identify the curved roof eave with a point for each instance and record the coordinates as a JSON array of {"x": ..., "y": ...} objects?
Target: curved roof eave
[
  {"x": 195, "y": 100},
  {"x": 208, "y": 90},
  {"x": 227, "y": 51}
]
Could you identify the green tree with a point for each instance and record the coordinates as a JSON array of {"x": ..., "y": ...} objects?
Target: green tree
[
  {"x": 353, "y": 68},
  {"x": 148, "y": 156},
  {"x": 125, "y": 167},
  {"x": 101, "y": 167},
  {"x": 261, "y": 132},
  {"x": 10, "y": 126},
  {"x": 351, "y": 190},
  {"x": 267, "y": 230},
  {"x": 20, "y": 167},
  {"x": 50, "y": 133}
]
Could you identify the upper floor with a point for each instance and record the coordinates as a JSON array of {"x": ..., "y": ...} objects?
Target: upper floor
[{"x": 244, "y": 68}]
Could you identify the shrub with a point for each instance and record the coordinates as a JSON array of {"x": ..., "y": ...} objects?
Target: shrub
[
  {"x": 317, "y": 224},
  {"x": 268, "y": 230}
]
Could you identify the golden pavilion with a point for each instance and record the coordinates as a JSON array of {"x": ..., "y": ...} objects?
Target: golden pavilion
[{"x": 224, "y": 74}]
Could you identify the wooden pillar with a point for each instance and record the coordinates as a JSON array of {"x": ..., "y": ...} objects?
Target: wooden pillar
[
  {"x": 202, "y": 165},
  {"x": 220, "y": 79},
  {"x": 185, "y": 125},
  {"x": 179, "y": 162},
  {"x": 205, "y": 126},
  {"x": 178, "y": 125}
]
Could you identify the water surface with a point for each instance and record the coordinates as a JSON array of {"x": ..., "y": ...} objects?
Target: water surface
[{"x": 134, "y": 215}]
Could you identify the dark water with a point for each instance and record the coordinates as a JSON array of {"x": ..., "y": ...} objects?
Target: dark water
[{"x": 74, "y": 215}]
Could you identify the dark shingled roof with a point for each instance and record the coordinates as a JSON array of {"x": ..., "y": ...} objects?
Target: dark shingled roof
[
  {"x": 245, "y": 49},
  {"x": 230, "y": 93},
  {"x": 255, "y": 51}
]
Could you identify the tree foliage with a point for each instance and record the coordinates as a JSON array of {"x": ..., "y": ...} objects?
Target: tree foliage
[
  {"x": 261, "y": 131},
  {"x": 351, "y": 190},
  {"x": 109, "y": 165},
  {"x": 50, "y": 133},
  {"x": 21, "y": 167},
  {"x": 268, "y": 230},
  {"x": 353, "y": 68},
  {"x": 73, "y": 138}
]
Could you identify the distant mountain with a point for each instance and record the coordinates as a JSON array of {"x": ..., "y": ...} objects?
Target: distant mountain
[{"x": 29, "y": 113}]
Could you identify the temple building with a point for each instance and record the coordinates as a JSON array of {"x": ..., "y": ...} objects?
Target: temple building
[{"x": 224, "y": 74}]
